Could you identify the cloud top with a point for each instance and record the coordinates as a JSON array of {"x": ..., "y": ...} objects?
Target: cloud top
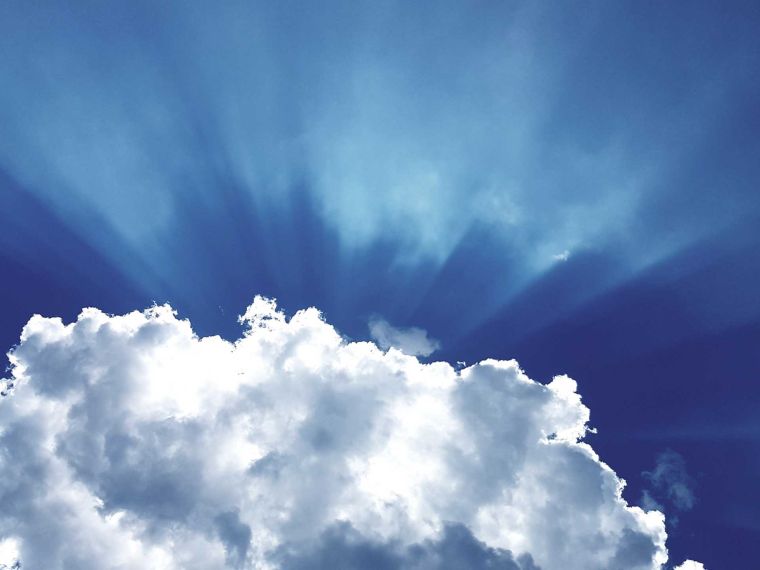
[{"x": 129, "y": 442}]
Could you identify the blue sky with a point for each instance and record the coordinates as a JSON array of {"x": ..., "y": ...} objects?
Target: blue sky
[{"x": 573, "y": 186}]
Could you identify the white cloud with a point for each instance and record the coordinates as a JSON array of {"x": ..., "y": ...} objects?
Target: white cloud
[
  {"x": 412, "y": 341},
  {"x": 128, "y": 442},
  {"x": 564, "y": 256},
  {"x": 9, "y": 554},
  {"x": 690, "y": 565}
]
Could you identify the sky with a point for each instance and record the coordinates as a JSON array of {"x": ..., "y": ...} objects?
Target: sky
[{"x": 573, "y": 186}]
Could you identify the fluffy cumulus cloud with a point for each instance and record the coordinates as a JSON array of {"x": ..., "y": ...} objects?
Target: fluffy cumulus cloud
[{"x": 129, "y": 442}]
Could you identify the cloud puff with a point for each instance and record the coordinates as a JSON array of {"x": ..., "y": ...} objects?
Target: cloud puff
[
  {"x": 413, "y": 341},
  {"x": 690, "y": 565},
  {"x": 129, "y": 442}
]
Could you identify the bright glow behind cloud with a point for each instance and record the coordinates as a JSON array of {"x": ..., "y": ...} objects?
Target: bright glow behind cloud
[
  {"x": 417, "y": 138},
  {"x": 129, "y": 442}
]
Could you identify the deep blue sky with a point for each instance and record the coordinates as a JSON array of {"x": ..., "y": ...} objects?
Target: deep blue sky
[{"x": 429, "y": 163}]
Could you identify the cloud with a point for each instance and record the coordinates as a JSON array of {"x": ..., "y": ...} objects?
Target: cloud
[
  {"x": 412, "y": 341},
  {"x": 129, "y": 442},
  {"x": 690, "y": 565},
  {"x": 8, "y": 553},
  {"x": 670, "y": 483}
]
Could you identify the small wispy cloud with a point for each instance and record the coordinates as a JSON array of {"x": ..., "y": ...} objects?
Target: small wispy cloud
[
  {"x": 563, "y": 256},
  {"x": 413, "y": 340},
  {"x": 671, "y": 485}
]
